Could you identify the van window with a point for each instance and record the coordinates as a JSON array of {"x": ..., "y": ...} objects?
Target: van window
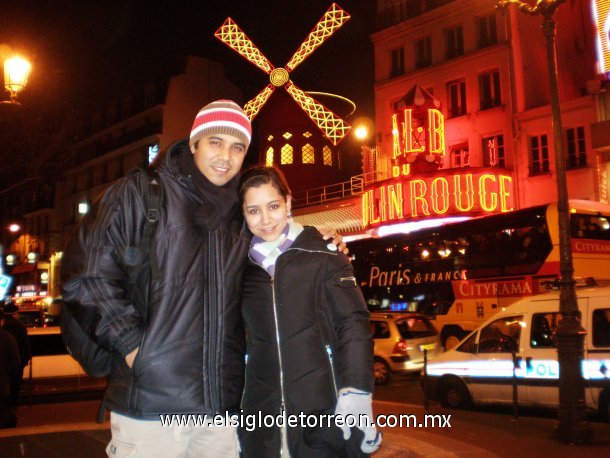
[
  {"x": 469, "y": 345},
  {"x": 501, "y": 336},
  {"x": 601, "y": 328},
  {"x": 544, "y": 329}
]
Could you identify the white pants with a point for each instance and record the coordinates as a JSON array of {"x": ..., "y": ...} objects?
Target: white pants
[{"x": 133, "y": 438}]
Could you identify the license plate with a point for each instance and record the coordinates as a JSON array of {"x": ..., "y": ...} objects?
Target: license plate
[{"x": 428, "y": 347}]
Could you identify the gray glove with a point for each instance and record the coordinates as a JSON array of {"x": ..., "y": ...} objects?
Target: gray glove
[{"x": 358, "y": 404}]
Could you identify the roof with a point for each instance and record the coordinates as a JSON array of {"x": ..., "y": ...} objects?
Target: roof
[{"x": 344, "y": 219}]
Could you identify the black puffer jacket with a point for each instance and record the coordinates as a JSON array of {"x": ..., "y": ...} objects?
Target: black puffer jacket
[
  {"x": 190, "y": 357},
  {"x": 324, "y": 340}
]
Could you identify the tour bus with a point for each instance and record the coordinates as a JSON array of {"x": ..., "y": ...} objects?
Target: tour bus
[
  {"x": 462, "y": 273},
  {"x": 481, "y": 369}
]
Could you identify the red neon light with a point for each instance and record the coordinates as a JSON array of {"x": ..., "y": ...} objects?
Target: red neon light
[
  {"x": 601, "y": 16},
  {"x": 399, "y": 199}
]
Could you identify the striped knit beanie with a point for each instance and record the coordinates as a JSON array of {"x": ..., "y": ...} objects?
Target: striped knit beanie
[{"x": 221, "y": 117}]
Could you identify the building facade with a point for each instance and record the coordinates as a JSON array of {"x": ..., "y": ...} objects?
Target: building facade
[{"x": 488, "y": 74}]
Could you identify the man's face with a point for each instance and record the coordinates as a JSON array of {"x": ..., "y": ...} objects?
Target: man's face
[{"x": 219, "y": 157}]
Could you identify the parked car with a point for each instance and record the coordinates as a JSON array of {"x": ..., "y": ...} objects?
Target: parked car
[
  {"x": 481, "y": 369},
  {"x": 400, "y": 340}
]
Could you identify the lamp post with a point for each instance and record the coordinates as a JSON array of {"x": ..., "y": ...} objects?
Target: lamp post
[
  {"x": 573, "y": 426},
  {"x": 16, "y": 72}
]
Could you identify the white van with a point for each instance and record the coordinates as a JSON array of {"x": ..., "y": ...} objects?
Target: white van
[{"x": 480, "y": 368}]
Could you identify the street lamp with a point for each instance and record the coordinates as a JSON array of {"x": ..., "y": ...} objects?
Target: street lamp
[
  {"x": 573, "y": 426},
  {"x": 16, "y": 72}
]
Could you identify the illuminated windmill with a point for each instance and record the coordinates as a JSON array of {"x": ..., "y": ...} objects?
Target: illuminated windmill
[{"x": 332, "y": 126}]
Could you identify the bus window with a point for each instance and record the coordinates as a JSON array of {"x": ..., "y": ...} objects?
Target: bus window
[
  {"x": 601, "y": 328},
  {"x": 596, "y": 227}
]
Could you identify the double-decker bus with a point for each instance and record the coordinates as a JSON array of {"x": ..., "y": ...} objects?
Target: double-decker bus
[{"x": 462, "y": 273}]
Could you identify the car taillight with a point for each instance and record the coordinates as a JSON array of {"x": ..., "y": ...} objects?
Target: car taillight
[{"x": 400, "y": 347}]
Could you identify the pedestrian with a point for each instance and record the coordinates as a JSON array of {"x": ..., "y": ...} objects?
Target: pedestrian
[
  {"x": 9, "y": 374},
  {"x": 309, "y": 346},
  {"x": 17, "y": 329},
  {"x": 187, "y": 355}
]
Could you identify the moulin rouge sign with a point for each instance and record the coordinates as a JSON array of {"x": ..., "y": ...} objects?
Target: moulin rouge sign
[{"x": 436, "y": 193}]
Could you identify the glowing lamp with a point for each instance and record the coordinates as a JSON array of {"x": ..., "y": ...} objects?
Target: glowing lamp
[{"x": 16, "y": 72}]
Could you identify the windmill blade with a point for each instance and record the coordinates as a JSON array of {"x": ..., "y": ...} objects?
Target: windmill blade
[
  {"x": 231, "y": 35},
  {"x": 252, "y": 108},
  {"x": 334, "y": 18},
  {"x": 333, "y": 127}
]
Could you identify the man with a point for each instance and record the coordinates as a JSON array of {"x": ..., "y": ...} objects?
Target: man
[
  {"x": 17, "y": 329},
  {"x": 9, "y": 374},
  {"x": 187, "y": 356}
]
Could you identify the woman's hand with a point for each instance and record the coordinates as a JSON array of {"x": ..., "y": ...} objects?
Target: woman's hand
[{"x": 337, "y": 239}]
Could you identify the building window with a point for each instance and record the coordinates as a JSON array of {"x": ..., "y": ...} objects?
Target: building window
[
  {"x": 150, "y": 95},
  {"x": 455, "y": 42},
  {"x": 423, "y": 52},
  {"x": 307, "y": 134},
  {"x": 456, "y": 98},
  {"x": 327, "y": 156},
  {"x": 286, "y": 154},
  {"x": 110, "y": 115},
  {"x": 489, "y": 89},
  {"x": 577, "y": 148},
  {"x": 287, "y": 135},
  {"x": 269, "y": 157},
  {"x": 539, "y": 154},
  {"x": 493, "y": 151},
  {"x": 460, "y": 155},
  {"x": 126, "y": 107},
  {"x": 398, "y": 62},
  {"x": 487, "y": 34},
  {"x": 308, "y": 156}
]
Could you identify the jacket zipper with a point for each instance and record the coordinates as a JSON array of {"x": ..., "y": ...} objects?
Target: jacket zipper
[
  {"x": 212, "y": 327},
  {"x": 279, "y": 356},
  {"x": 329, "y": 351},
  {"x": 277, "y": 341}
]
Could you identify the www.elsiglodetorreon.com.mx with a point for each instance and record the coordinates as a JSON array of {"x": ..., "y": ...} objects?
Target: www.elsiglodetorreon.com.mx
[{"x": 252, "y": 421}]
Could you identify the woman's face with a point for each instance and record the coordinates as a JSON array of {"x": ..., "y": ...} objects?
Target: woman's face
[{"x": 266, "y": 211}]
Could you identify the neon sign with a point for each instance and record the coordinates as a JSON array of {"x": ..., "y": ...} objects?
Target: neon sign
[
  {"x": 398, "y": 199},
  {"x": 601, "y": 16},
  {"x": 410, "y": 139}
]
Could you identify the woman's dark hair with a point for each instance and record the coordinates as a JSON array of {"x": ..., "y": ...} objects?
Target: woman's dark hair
[{"x": 258, "y": 176}]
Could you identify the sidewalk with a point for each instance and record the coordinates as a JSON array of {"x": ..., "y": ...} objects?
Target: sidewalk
[{"x": 470, "y": 435}]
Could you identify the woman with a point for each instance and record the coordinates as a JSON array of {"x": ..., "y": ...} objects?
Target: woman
[{"x": 309, "y": 346}]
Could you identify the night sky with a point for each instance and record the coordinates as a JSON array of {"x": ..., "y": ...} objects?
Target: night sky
[
  {"x": 78, "y": 47},
  {"x": 74, "y": 43}
]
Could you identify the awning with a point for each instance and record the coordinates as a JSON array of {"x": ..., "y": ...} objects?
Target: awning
[
  {"x": 23, "y": 268},
  {"x": 346, "y": 220}
]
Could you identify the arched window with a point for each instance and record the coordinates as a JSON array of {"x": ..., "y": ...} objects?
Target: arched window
[
  {"x": 286, "y": 154},
  {"x": 327, "y": 156},
  {"x": 269, "y": 157},
  {"x": 308, "y": 154}
]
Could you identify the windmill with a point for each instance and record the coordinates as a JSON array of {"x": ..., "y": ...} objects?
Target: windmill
[{"x": 332, "y": 126}]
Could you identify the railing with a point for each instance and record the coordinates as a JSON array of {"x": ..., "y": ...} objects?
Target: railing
[{"x": 323, "y": 194}]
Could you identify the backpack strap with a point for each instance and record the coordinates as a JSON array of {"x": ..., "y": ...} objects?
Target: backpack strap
[{"x": 152, "y": 202}]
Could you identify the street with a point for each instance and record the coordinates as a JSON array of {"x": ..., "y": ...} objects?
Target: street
[{"x": 481, "y": 432}]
